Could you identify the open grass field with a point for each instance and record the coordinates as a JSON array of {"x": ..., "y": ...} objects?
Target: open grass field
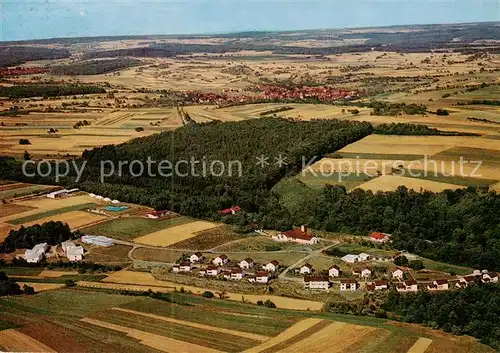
[
  {"x": 391, "y": 182},
  {"x": 174, "y": 234},
  {"x": 75, "y": 219},
  {"x": 41, "y": 287},
  {"x": 50, "y": 213},
  {"x": 25, "y": 189},
  {"x": 12, "y": 209},
  {"x": 15, "y": 341},
  {"x": 116, "y": 253},
  {"x": 157, "y": 255},
  {"x": 207, "y": 239},
  {"x": 128, "y": 228}
]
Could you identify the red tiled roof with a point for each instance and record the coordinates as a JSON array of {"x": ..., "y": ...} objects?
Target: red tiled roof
[
  {"x": 275, "y": 263},
  {"x": 222, "y": 257},
  {"x": 185, "y": 263},
  {"x": 211, "y": 268},
  {"x": 381, "y": 283},
  {"x": 348, "y": 280},
  {"x": 410, "y": 282},
  {"x": 441, "y": 281},
  {"x": 198, "y": 254},
  {"x": 261, "y": 274},
  {"x": 231, "y": 210},
  {"x": 307, "y": 265},
  {"x": 249, "y": 260},
  {"x": 370, "y": 287},
  {"x": 298, "y": 234},
  {"x": 378, "y": 235}
]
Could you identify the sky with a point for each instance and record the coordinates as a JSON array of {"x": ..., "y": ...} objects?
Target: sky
[{"x": 35, "y": 19}]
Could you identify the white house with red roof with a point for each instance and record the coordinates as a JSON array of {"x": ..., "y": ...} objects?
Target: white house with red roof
[
  {"x": 398, "y": 273},
  {"x": 220, "y": 260},
  {"x": 261, "y": 277},
  {"x": 158, "y": 214},
  {"x": 196, "y": 257},
  {"x": 316, "y": 282},
  {"x": 298, "y": 235},
  {"x": 439, "y": 284},
  {"x": 182, "y": 267},
  {"x": 246, "y": 263},
  {"x": 306, "y": 269},
  {"x": 381, "y": 238},
  {"x": 349, "y": 284},
  {"x": 211, "y": 271},
  {"x": 231, "y": 210},
  {"x": 237, "y": 274},
  {"x": 271, "y": 266},
  {"x": 334, "y": 271},
  {"x": 407, "y": 286}
]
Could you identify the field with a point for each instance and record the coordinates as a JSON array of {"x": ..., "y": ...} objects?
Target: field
[
  {"x": 208, "y": 239},
  {"x": 100, "y": 321},
  {"x": 128, "y": 228},
  {"x": 41, "y": 287},
  {"x": 391, "y": 182},
  {"x": 114, "y": 254},
  {"x": 174, "y": 234}
]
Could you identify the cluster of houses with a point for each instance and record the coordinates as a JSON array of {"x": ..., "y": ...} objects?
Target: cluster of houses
[
  {"x": 482, "y": 276},
  {"x": 72, "y": 251},
  {"x": 247, "y": 268}
]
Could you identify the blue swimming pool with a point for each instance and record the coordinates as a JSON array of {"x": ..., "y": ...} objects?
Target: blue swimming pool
[{"x": 115, "y": 208}]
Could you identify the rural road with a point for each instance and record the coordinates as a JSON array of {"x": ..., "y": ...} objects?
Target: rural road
[{"x": 297, "y": 263}]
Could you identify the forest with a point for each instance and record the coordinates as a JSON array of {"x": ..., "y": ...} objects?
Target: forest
[
  {"x": 471, "y": 311},
  {"x": 48, "y": 90},
  {"x": 94, "y": 67},
  {"x": 16, "y": 55},
  {"x": 51, "y": 233},
  {"x": 415, "y": 130}
]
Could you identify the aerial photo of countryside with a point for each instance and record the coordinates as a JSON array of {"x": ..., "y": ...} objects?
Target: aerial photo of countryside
[{"x": 250, "y": 176}]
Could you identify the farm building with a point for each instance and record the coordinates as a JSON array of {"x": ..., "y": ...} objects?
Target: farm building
[
  {"x": 363, "y": 272},
  {"x": 220, "y": 260},
  {"x": 299, "y": 235},
  {"x": 407, "y": 286},
  {"x": 349, "y": 285},
  {"x": 61, "y": 193},
  {"x": 306, "y": 269},
  {"x": 231, "y": 210},
  {"x": 334, "y": 271},
  {"x": 350, "y": 258},
  {"x": 398, "y": 273},
  {"x": 73, "y": 252},
  {"x": 158, "y": 214},
  {"x": 196, "y": 257},
  {"x": 271, "y": 266},
  {"x": 380, "y": 238},
  {"x": 35, "y": 255},
  {"x": 364, "y": 257},
  {"x": 246, "y": 263},
  {"x": 97, "y": 240},
  {"x": 182, "y": 267},
  {"x": 439, "y": 284},
  {"x": 316, "y": 282}
]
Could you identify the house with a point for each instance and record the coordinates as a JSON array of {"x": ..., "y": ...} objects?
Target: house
[
  {"x": 61, "y": 193},
  {"x": 439, "y": 284},
  {"x": 350, "y": 258},
  {"x": 271, "y": 266},
  {"x": 184, "y": 266},
  {"x": 407, "y": 286},
  {"x": 231, "y": 210},
  {"x": 465, "y": 281},
  {"x": 398, "y": 273},
  {"x": 380, "y": 238},
  {"x": 349, "y": 285},
  {"x": 490, "y": 277},
  {"x": 299, "y": 235},
  {"x": 364, "y": 272},
  {"x": 211, "y": 271},
  {"x": 261, "y": 277},
  {"x": 306, "y": 269},
  {"x": 334, "y": 271},
  {"x": 379, "y": 285},
  {"x": 35, "y": 254},
  {"x": 97, "y": 240},
  {"x": 158, "y": 214},
  {"x": 364, "y": 257},
  {"x": 316, "y": 282},
  {"x": 196, "y": 257},
  {"x": 246, "y": 263},
  {"x": 220, "y": 260},
  {"x": 237, "y": 274}
]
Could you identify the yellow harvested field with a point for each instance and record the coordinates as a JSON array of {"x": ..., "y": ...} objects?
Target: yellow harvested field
[
  {"x": 391, "y": 182},
  {"x": 483, "y": 143},
  {"x": 200, "y": 326},
  {"x": 391, "y": 144},
  {"x": 75, "y": 219},
  {"x": 336, "y": 337},
  {"x": 172, "y": 235},
  {"x": 56, "y": 274},
  {"x": 42, "y": 287},
  {"x": 285, "y": 335},
  {"x": 161, "y": 343},
  {"x": 420, "y": 346},
  {"x": 147, "y": 279},
  {"x": 15, "y": 341},
  {"x": 452, "y": 167},
  {"x": 355, "y": 165}
]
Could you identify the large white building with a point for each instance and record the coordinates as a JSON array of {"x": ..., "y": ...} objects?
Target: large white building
[
  {"x": 73, "y": 252},
  {"x": 97, "y": 240},
  {"x": 316, "y": 282},
  {"x": 35, "y": 255},
  {"x": 61, "y": 193}
]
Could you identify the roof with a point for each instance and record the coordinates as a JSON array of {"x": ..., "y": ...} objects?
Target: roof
[
  {"x": 410, "y": 282},
  {"x": 248, "y": 260},
  {"x": 378, "y": 235},
  {"x": 316, "y": 278},
  {"x": 335, "y": 267},
  {"x": 400, "y": 286},
  {"x": 185, "y": 263},
  {"x": 198, "y": 254},
  {"x": 381, "y": 283},
  {"x": 468, "y": 278},
  {"x": 441, "y": 281},
  {"x": 307, "y": 265},
  {"x": 348, "y": 280},
  {"x": 274, "y": 262},
  {"x": 221, "y": 257},
  {"x": 261, "y": 274},
  {"x": 370, "y": 287},
  {"x": 159, "y": 212},
  {"x": 211, "y": 268},
  {"x": 398, "y": 269},
  {"x": 230, "y": 210},
  {"x": 298, "y": 234},
  {"x": 350, "y": 256},
  {"x": 364, "y": 254},
  {"x": 236, "y": 270},
  {"x": 492, "y": 274}
]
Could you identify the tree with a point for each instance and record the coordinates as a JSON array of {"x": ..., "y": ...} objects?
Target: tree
[
  {"x": 26, "y": 156},
  {"x": 70, "y": 283},
  {"x": 442, "y": 112},
  {"x": 24, "y": 142},
  {"x": 28, "y": 290},
  {"x": 401, "y": 261},
  {"x": 416, "y": 265},
  {"x": 208, "y": 294}
]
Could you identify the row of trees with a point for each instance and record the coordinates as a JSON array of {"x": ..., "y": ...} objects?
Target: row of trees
[
  {"x": 48, "y": 90},
  {"x": 10, "y": 287},
  {"x": 415, "y": 129},
  {"x": 94, "y": 67}
]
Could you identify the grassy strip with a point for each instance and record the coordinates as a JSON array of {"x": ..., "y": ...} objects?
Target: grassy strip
[
  {"x": 51, "y": 213},
  {"x": 25, "y": 191},
  {"x": 62, "y": 279},
  {"x": 5, "y": 325},
  {"x": 381, "y": 156},
  {"x": 133, "y": 227},
  {"x": 455, "y": 179}
]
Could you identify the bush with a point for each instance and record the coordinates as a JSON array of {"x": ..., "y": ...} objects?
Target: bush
[
  {"x": 70, "y": 283},
  {"x": 24, "y": 142},
  {"x": 442, "y": 112},
  {"x": 401, "y": 261},
  {"x": 208, "y": 294},
  {"x": 416, "y": 265},
  {"x": 139, "y": 129},
  {"x": 28, "y": 290},
  {"x": 269, "y": 304}
]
